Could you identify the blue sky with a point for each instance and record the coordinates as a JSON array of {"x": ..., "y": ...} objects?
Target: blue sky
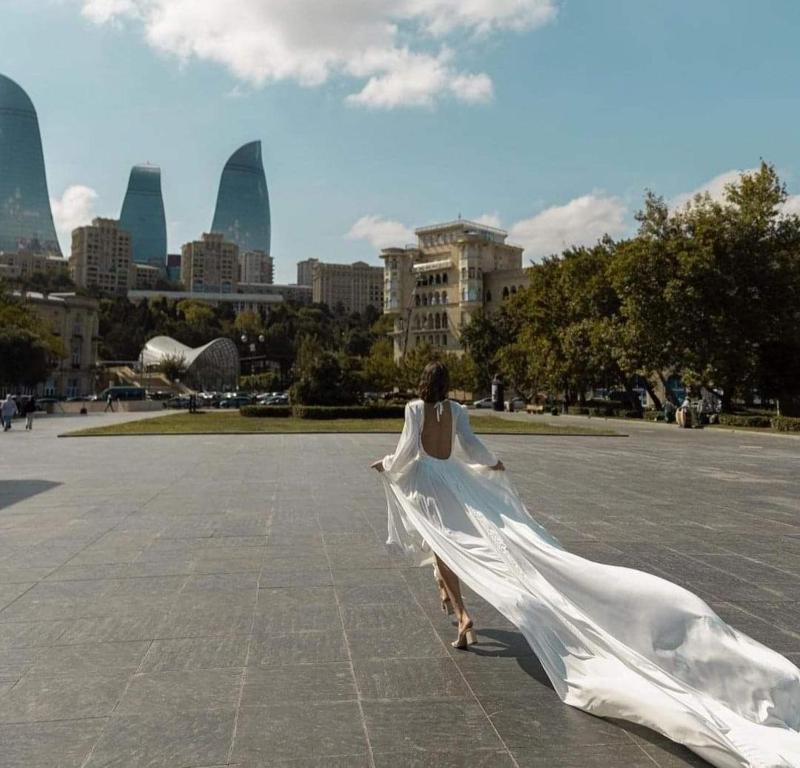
[{"x": 548, "y": 117}]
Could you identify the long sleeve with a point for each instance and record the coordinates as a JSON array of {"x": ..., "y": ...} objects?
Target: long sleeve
[
  {"x": 407, "y": 445},
  {"x": 472, "y": 446}
]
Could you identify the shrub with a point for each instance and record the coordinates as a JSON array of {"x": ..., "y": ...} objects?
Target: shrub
[
  {"x": 634, "y": 414},
  {"x": 348, "y": 411},
  {"x": 786, "y": 423},
  {"x": 744, "y": 420},
  {"x": 266, "y": 411}
]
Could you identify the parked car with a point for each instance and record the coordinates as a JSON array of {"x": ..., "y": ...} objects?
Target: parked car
[
  {"x": 179, "y": 401},
  {"x": 484, "y": 402},
  {"x": 237, "y": 401},
  {"x": 276, "y": 400}
]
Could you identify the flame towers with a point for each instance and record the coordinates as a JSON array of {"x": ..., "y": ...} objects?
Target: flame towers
[
  {"x": 26, "y": 220},
  {"x": 143, "y": 216},
  {"x": 242, "y": 212}
]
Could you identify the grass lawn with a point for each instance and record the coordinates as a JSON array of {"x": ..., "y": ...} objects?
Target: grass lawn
[{"x": 221, "y": 423}]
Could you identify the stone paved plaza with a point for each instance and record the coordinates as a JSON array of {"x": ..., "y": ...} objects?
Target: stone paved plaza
[{"x": 217, "y": 601}]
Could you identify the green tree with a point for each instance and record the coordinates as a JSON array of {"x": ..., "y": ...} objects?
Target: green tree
[{"x": 380, "y": 370}]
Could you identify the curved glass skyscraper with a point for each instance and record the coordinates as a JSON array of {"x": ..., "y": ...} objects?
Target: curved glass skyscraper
[
  {"x": 242, "y": 212},
  {"x": 143, "y": 216},
  {"x": 26, "y": 220}
]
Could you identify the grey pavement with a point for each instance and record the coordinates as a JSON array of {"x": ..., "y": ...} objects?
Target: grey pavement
[{"x": 208, "y": 601}]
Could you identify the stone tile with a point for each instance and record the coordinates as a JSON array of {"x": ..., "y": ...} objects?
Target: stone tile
[
  {"x": 299, "y": 731},
  {"x": 31, "y": 633},
  {"x": 111, "y": 629},
  {"x": 189, "y": 622},
  {"x": 61, "y": 697},
  {"x": 428, "y": 724},
  {"x": 196, "y": 653},
  {"x": 181, "y": 691},
  {"x": 90, "y": 657},
  {"x": 599, "y": 756},
  {"x": 158, "y": 739},
  {"x": 412, "y": 642},
  {"x": 409, "y": 679},
  {"x": 296, "y": 684},
  {"x": 312, "y": 647},
  {"x": 487, "y": 758},
  {"x": 282, "y": 619},
  {"x": 45, "y": 745},
  {"x": 317, "y": 577},
  {"x": 10, "y": 592}
]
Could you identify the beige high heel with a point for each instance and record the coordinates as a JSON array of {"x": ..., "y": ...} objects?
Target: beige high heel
[{"x": 466, "y": 637}]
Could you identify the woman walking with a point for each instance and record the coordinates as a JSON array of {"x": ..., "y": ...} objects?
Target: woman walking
[{"x": 614, "y": 641}]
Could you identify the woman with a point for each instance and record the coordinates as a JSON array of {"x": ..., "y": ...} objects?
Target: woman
[{"x": 614, "y": 641}]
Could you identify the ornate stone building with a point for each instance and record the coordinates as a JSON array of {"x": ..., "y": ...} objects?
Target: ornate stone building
[
  {"x": 432, "y": 288},
  {"x": 354, "y": 286}
]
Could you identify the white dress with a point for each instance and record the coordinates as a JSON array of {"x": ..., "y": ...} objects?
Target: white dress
[{"x": 614, "y": 641}]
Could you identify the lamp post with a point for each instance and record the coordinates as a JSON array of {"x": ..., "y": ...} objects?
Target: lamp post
[{"x": 252, "y": 346}]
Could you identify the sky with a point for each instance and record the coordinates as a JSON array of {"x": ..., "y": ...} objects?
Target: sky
[{"x": 549, "y": 118}]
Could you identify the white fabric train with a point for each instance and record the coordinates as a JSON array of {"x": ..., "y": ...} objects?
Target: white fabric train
[{"x": 614, "y": 641}]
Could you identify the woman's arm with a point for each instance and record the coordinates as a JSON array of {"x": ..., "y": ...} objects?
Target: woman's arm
[
  {"x": 472, "y": 446},
  {"x": 406, "y": 449}
]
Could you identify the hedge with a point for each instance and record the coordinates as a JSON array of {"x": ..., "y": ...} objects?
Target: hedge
[
  {"x": 266, "y": 411},
  {"x": 744, "y": 420},
  {"x": 786, "y": 423},
  {"x": 348, "y": 411}
]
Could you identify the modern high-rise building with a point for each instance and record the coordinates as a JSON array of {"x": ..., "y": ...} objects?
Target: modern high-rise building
[
  {"x": 143, "y": 216},
  {"x": 242, "y": 211},
  {"x": 432, "y": 289},
  {"x": 305, "y": 271},
  {"x": 210, "y": 265},
  {"x": 101, "y": 257},
  {"x": 26, "y": 221}
]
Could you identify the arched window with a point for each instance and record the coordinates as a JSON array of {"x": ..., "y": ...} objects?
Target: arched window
[
  {"x": 488, "y": 296},
  {"x": 444, "y": 340},
  {"x": 513, "y": 289},
  {"x": 444, "y": 319},
  {"x": 505, "y": 292},
  {"x": 437, "y": 322},
  {"x": 416, "y": 300},
  {"x": 438, "y": 280},
  {"x": 425, "y": 300},
  {"x": 444, "y": 278}
]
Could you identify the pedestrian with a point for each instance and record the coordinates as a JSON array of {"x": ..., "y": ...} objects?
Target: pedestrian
[
  {"x": 8, "y": 409},
  {"x": 29, "y": 409},
  {"x": 109, "y": 403}
]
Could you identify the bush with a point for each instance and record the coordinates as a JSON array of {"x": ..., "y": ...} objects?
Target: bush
[
  {"x": 785, "y": 423},
  {"x": 348, "y": 411},
  {"x": 634, "y": 414},
  {"x": 266, "y": 411},
  {"x": 744, "y": 420}
]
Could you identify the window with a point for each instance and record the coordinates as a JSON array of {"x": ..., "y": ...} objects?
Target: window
[
  {"x": 505, "y": 292},
  {"x": 444, "y": 278},
  {"x": 444, "y": 340},
  {"x": 416, "y": 300},
  {"x": 472, "y": 273},
  {"x": 488, "y": 296}
]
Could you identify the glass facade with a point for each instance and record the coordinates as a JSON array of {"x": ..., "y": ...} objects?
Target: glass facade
[
  {"x": 143, "y": 216},
  {"x": 242, "y": 212},
  {"x": 26, "y": 220}
]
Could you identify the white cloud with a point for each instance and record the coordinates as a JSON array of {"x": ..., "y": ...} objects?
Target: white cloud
[
  {"x": 380, "y": 232},
  {"x": 311, "y": 41},
  {"x": 490, "y": 220},
  {"x": 73, "y": 209},
  {"x": 792, "y": 205},
  {"x": 582, "y": 221}
]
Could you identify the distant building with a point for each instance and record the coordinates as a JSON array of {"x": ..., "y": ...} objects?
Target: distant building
[
  {"x": 74, "y": 320},
  {"x": 432, "y": 289},
  {"x": 174, "y": 267},
  {"x": 210, "y": 265},
  {"x": 26, "y": 221},
  {"x": 101, "y": 257},
  {"x": 239, "y": 302},
  {"x": 255, "y": 267},
  {"x": 242, "y": 211},
  {"x": 146, "y": 276},
  {"x": 300, "y": 294},
  {"x": 305, "y": 271},
  {"x": 22, "y": 265},
  {"x": 143, "y": 216},
  {"x": 353, "y": 286}
]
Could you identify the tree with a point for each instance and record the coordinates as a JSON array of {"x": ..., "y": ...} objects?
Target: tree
[
  {"x": 483, "y": 338},
  {"x": 322, "y": 377},
  {"x": 380, "y": 370},
  {"x": 172, "y": 366}
]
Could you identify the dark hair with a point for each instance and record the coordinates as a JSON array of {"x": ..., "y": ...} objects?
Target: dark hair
[{"x": 434, "y": 384}]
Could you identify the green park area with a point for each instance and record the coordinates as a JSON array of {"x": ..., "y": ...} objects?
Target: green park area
[{"x": 220, "y": 423}]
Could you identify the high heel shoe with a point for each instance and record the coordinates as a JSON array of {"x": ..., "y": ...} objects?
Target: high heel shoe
[{"x": 466, "y": 637}]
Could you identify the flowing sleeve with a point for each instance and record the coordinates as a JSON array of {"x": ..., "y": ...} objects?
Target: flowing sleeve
[
  {"x": 407, "y": 445},
  {"x": 472, "y": 446}
]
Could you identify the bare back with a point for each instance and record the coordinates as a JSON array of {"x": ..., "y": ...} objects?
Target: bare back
[{"x": 437, "y": 434}]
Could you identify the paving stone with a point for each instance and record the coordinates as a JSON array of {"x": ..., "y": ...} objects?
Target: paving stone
[
  {"x": 59, "y": 697},
  {"x": 44, "y": 745},
  {"x": 90, "y": 657},
  {"x": 409, "y": 679},
  {"x": 299, "y": 731},
  {"x": 487, "y": 758},
  {"x": 159, "y": 739},
  {"x": 295, "y": 684},
  {"x": 196, "y": 653},
  {"x": 312, "y": 647},
  {"x": 599, "y": 756}
]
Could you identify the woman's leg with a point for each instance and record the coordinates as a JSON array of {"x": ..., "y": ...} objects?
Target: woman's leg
[{"x": 453, "y": 587}]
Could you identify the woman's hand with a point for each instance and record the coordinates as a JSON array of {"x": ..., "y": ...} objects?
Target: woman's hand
[
  {"x": 499, "y": 467},
  {"x": 377, "y": 465}
]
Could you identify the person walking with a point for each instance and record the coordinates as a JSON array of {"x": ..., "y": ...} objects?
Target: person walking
[
  {"x": 8, "y": 409},
  {"x": 109, "y": 403},
  {"x": 29, "y": 409}
]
